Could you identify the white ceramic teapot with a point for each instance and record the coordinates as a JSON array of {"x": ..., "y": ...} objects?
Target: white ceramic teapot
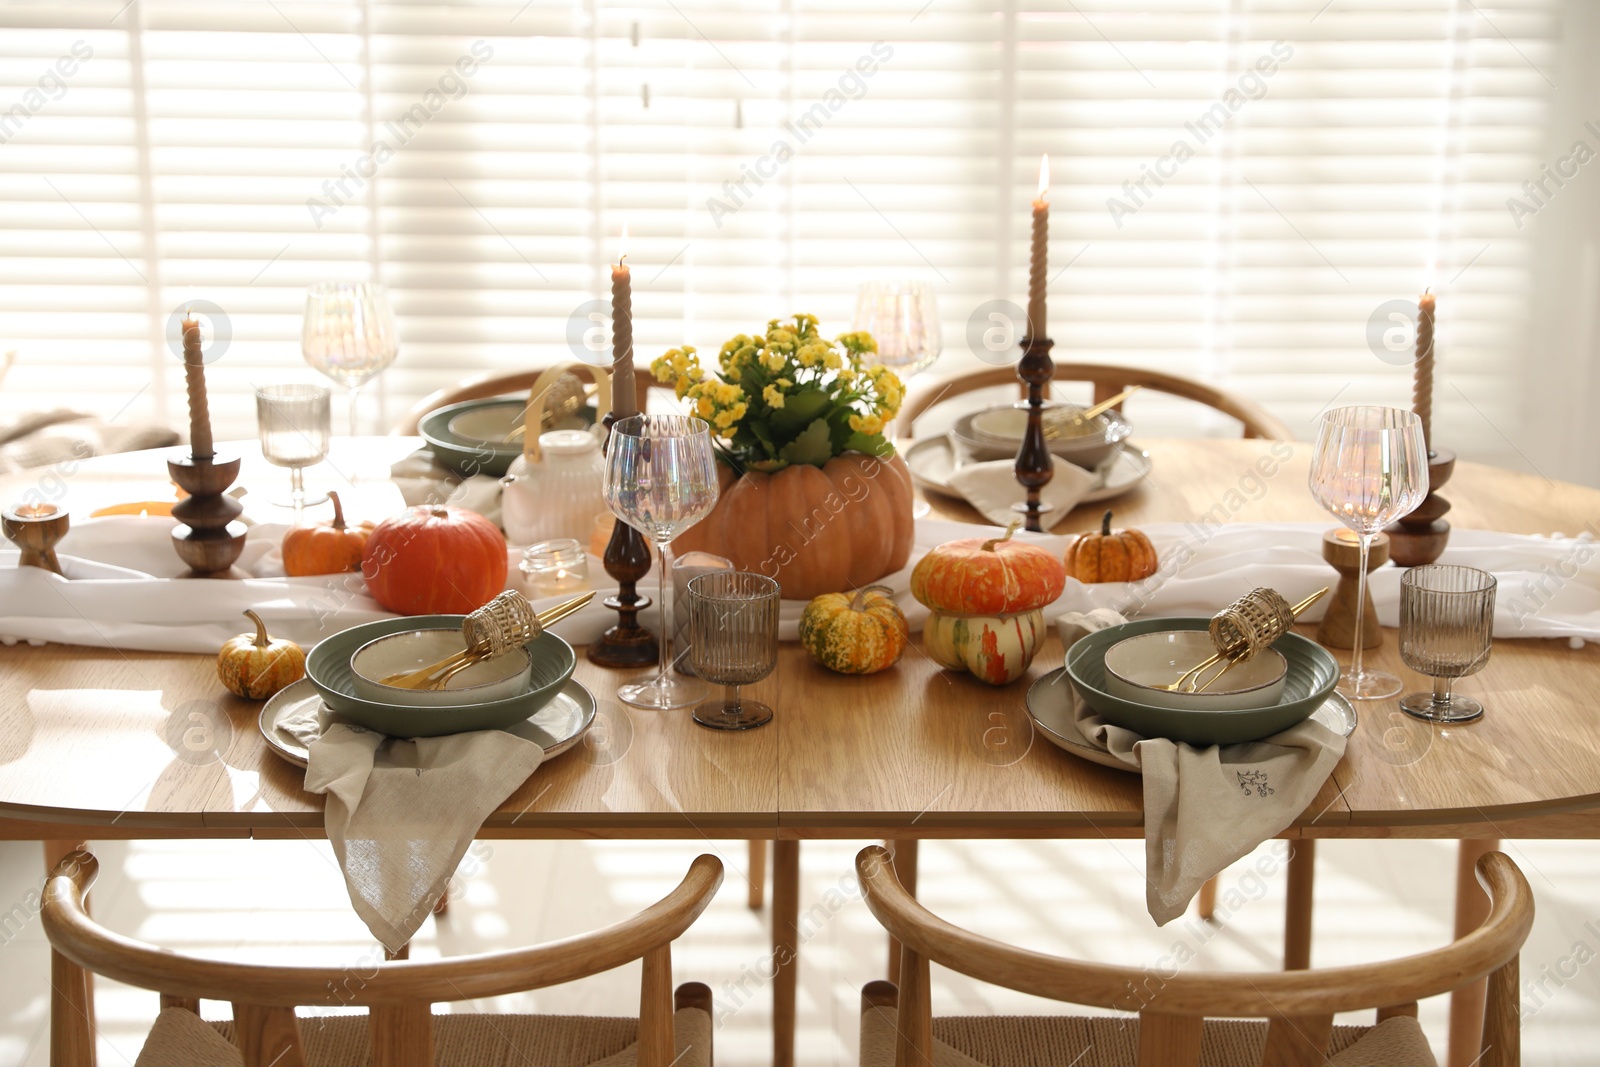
[{"x": 553, "y": 489}]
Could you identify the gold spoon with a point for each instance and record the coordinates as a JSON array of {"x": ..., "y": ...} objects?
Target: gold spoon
[
  {"x": 452, "y": 664},
  {"x": 1192, "y": 676},
  {"x": 1090, "y": 413}
]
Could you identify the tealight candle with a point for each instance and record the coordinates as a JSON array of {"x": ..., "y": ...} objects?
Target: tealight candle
[{"x": 556, "y": 567}]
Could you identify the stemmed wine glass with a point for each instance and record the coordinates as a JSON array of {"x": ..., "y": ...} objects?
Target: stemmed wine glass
[
  {"x": 349, "y": 334},
  {"x": 661, "y": 479},
  {"x": 1370, "y": 468},
  {"x": 903, "y": 317}
]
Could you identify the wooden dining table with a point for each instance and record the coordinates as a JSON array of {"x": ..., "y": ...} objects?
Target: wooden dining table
[{"x": 87, "y": 747}]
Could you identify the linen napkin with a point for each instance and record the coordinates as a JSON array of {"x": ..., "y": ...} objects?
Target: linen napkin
[
  {"x": 423, "y": 480},
  {"x": 992, "y": 488},
  {"x": 1206, "y": 807},
  {"x": 401, "y": 814}
]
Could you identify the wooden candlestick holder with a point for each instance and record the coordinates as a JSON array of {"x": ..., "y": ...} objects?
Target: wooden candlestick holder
[
  {"x": 1035, "y": 465},
  {"x": 208, "y": 537},
  {"x": 1421, "y": 536},
  {"x": 627, "y": 559},
  {"x": 35, "y": 529},
  {"x": 1338, "y": 627}
]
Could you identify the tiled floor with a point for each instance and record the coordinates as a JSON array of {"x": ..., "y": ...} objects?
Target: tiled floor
[{"x": 281, "y": 901}]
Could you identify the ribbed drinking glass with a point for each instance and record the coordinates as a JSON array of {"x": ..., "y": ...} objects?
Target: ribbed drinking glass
[
  {"x": 1446, "y": 630},
  {"x": 733, "y": 641}
]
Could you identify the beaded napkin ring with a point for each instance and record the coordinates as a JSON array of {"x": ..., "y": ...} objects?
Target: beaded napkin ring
[{"x": 506, "y": 622}]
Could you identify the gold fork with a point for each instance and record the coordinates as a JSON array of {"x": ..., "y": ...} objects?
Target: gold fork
[
  {"x": 426, "y": 677},
  {"x": 1191, "y": 677}
]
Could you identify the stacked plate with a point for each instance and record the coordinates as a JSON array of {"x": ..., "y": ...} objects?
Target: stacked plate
[
  {"x": 486, "y": 705},
  {"x": 1309, "y": 677},
  {"x": 996, "y": 433}
]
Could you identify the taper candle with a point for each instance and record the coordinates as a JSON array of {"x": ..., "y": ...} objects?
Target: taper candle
[
  {"x": 194, "y": 373},
  {"x": 1422, "y": 384},
  {"x": 1038, "y": 258},
  {"x": 623, "y": 401}
]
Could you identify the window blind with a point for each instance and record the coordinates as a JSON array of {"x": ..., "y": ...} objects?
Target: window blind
[{"x": 1238, "y": 185}]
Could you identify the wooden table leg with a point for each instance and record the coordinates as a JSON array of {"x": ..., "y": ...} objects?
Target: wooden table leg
[
  {"x": 904, "y": 851},
  {"x": 757, "y": 873},
  {"x": 1207, "y": 901},
  {"x": 785, "y": 948},
  {"x": 1297, "y": 910},
  {"x": 72, "y": 1033},
  {"x": 1472, "y": 907}
]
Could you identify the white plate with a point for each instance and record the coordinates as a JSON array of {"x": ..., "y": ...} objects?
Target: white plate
[
  {"x": 932, "y": 462},
  {"x": 558, "y": 725},
  {"x": 1050, "y": 708}
]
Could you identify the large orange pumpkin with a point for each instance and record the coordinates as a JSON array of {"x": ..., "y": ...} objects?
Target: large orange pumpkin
[
  {"x": 814, "y": 529},
  {"x": 988, "y": 576},
  {"x": 434, "y": 560},
  {"x": 1127, "y": 556}
]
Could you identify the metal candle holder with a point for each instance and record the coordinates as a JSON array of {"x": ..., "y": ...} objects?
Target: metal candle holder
[{"x": 1035, "y": 465}]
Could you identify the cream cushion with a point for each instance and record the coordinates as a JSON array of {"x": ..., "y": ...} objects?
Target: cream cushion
[
  {"x": 1111, "y": 1041},
  {"x": 181, "y": 1039}
]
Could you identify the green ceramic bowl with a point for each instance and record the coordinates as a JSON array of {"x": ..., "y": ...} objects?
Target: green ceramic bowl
[
  {"x": 328, "y": 667},
  {"x": 1312, "y": 675},
  {"x": 467, "y": 454}
]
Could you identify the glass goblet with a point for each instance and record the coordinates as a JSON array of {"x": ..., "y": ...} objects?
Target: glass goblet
[
  {"x": 349, "y": 335},
  {"x": 733, "y": 641},
  {"x": 1369, "y": 468},
  {"x": 295, "y": 423},
  {"x": 903, "y": 317},
  {"x": 661, "y": 479},
  {"x": 1446, "y": 629}
]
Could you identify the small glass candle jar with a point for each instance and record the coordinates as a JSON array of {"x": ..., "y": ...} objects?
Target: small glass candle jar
[{"x": 556, "y": 567}]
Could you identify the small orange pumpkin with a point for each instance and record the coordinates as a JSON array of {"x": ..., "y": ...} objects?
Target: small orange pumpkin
[
  {"x": 987, "y": 576},
  {"x": 256, "y": 666},
  {"x": 327, "y": 547},
  {"x": 1127, "y": 556}
]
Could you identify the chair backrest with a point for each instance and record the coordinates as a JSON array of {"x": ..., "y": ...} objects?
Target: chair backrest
[
  {"x": 501, "y": 385},
  {"x": 1299, "y": 1005},
  {"x": 397, "y": 995},
  {"x": 1109, "y": 380}
]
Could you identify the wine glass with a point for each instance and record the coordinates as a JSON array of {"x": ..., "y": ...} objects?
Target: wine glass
[
  {"x": 294, "y": 422},
  {"x": 661, "y": 479},
  {"x": 903, "y": 317},
  {"x": 733, "y": 641},
  {"x": 1446, "y": 630},
  {"x": 348, "y": 334},
  {"x": 1370, "y": 468}
]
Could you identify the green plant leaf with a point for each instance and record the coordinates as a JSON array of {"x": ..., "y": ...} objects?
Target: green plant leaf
[
  {"x": 799, "y": 410},
  {"x": 873, "y": 444},
  {"x": 813, "y": 446}
]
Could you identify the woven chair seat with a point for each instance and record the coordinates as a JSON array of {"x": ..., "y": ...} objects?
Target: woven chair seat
[
  {"x": 181, "y": 1039},
  {"x": 1084, "y": 1041}
]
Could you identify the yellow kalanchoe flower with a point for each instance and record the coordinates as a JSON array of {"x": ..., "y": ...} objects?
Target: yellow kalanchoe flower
[
  {"x": 868, "y": 424},
  {"x": 772, "y": 396}
]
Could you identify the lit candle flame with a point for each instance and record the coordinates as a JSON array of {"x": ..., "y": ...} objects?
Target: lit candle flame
[
  {"x": 622, "y": 246},
  {"x": 1427, "y": 277},
  {"x": 1044, "y": 176}
]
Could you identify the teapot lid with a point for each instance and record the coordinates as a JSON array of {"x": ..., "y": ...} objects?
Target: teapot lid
[{"x": 569, "y": 442}]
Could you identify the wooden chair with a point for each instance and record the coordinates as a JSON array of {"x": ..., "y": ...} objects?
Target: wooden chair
[
  {"x": 1173, "y": 1008},
  {"x": 1109, "y": 380},
  {"x": 400, "y": 1029},
  {"x": 489, "y": 385}
]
